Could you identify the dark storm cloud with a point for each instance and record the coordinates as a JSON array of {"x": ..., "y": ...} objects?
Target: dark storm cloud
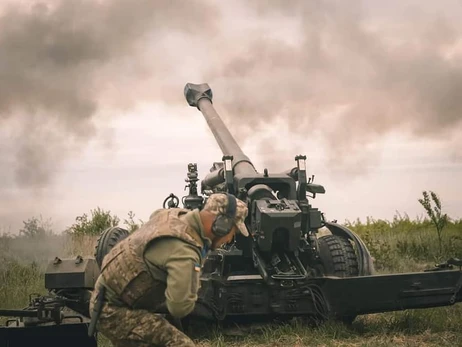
[{"x": 57, "y": 60}]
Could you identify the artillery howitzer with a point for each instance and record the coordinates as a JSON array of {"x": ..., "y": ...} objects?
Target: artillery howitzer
[{"x": 284, "y": 269}]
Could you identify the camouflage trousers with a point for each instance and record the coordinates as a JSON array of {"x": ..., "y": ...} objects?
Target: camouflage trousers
[{"x": 126, "y": 327}]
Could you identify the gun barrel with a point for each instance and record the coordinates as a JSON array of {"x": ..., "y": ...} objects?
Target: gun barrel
[{"x": 200, "y": 96}]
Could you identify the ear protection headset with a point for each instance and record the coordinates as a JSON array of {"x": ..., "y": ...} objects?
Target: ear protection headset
[{"x": 223, "y": 224}]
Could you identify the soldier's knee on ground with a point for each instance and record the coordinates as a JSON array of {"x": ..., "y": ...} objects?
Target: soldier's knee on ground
[
  {"x": 155, "y": 329},
  {"x": 126, "y": 327}
]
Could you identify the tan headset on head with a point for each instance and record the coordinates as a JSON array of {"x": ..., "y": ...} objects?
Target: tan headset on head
[{"x": 223, "y": 223}]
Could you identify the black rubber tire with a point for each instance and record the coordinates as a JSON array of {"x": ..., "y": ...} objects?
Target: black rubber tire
[
  {"x": 339, "y": 259},
  {"x": 338, "y": 256},
  {"x": 107, "y": 240}
]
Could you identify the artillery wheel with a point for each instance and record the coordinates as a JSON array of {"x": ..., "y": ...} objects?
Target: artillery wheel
[
  {"x": 339, "y": 259},
  {"x": 107, "y": 240},
  {"x": 338, "y": 256}
]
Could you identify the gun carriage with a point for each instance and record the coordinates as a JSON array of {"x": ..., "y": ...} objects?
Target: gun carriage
[{"x": 285, "y": 268}]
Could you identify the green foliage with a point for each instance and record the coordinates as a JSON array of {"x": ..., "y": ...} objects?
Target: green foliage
[
  {"x": 100, "y": 220},
  {"x": 17, "y": 281},
  {"x": 438, "y": 219},
  {"x": 380, "y": 251},
  {"x": 403, "y": 244}
]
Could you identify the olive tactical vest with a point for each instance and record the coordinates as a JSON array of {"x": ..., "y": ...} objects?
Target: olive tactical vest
[{"x": 124, "y": 270}]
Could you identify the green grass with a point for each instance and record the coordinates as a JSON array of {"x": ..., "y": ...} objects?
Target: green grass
[
  {"x": 431, "y": 327},
  {"x": 400, "y": 245},
  {"x": 404, "y": 245}
]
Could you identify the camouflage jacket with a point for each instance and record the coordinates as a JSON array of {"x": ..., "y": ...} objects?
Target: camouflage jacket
[{"x": 124, "y": 270}]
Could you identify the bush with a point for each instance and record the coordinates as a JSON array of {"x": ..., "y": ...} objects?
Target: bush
[{"x": 99, "y": 221}]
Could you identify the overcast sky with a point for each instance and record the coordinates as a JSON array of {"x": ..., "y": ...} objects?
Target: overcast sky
[{"x": 92, "y": 111}]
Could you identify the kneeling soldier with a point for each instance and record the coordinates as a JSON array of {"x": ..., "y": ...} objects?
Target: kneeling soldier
[{"x": 157, "y": 266}]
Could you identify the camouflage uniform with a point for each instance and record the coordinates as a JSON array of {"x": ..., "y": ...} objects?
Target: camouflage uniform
[{"x": 159, "y": 264}]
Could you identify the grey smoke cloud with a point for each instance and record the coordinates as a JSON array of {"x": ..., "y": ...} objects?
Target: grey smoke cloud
[
  {"x": 341, "y": 72},
  {"x": 62, "y": 61}
]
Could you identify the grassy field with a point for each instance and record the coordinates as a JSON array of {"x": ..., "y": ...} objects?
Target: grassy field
[{"x": 400, "y": 245}]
